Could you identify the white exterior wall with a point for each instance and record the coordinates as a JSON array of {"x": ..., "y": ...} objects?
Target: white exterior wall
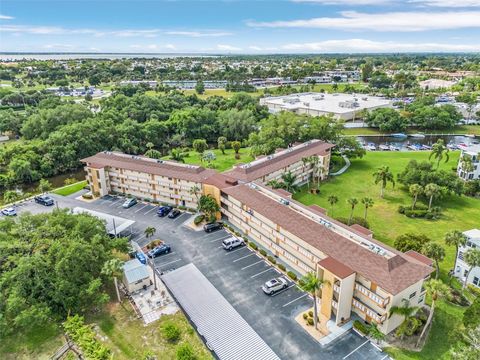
[
  {"x": 462, "y": 268},
  {"x": 476, "y": 164}
]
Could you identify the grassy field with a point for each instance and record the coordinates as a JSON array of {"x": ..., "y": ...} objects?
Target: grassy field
[
  {"x": 460, "y": 130},
  {"x": 70, "y": 189},
  {"x": 222, "y": 162}
]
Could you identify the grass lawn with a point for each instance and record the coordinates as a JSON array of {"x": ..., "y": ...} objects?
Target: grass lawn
[
  {"x": 70, "y": 189},
  {"x": 222, "y": 162},
  {"x": 459, "y": 130}
]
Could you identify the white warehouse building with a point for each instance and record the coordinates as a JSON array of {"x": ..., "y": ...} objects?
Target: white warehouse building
[{"x": 341, "y": 106}]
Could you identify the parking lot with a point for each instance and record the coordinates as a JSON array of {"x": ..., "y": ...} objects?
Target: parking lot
[{"x": 238, "y": 275}]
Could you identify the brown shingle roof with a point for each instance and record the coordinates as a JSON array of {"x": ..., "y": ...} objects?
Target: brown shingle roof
[
  {"x": 149, "y": 166},
  {"x": 420, "y": 257},
  {"x": 336, "y": 267},
  {"x": 256, "y": 171},
  {"x": 361, "y": 229},
  {"x": 393, "y": 275}
]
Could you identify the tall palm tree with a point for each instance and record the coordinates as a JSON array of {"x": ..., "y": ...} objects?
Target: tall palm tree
[
  {"x": 406, "y": 311},
  {"x": 316, "y": 174},
  {"x": 432, "y": 191},
  {"x": 149, "y": 231},
  {"x": 375, "y": 333},
  {"x": 113, "y": 268},
  {"x": 289, "y": 182},
  {"x": 368, "y": 203},
  {"x": 332, "y": 199},
  {"x": 457, "y": 239},
  {"x": 415, "y": 190},
  {"x": 311, "y": 284},
  {"x": 435, "y": 252},
  {"x": 437, "y": 290},
  {"x": 195, "y": 190},
  {"x": 353, "y": 202},
  {"x": 472, "y": 259},
  {"x": 439, "y": 150},
  {"x": 306, "y": 161},
  {"x": 467, "y": 164},
  {"x": 383, "y": 175}
]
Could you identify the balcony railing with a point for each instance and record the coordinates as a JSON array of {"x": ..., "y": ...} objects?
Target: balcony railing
[
  {"x": 336, "y": 288},
  {"x": 380, "y": 300},
  {"x": 378, "y": 318},
  {"x": 334, "y": 304}
]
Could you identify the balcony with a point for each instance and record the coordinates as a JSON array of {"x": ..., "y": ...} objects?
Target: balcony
[
  {"x": 336, "y": 288},
  {"x": 334, "y": 304},
  {"x": 378, "y": 318},
  {"x": 371, "y": 295}
]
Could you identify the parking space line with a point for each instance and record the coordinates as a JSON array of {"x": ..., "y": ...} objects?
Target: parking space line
[
  {"x": 255, "y": 263},
  {"x": 243, "y": 257},
  {"x": 383, "y": 358},
  {"x": 116, "y": 201},
  {"x": 176, "y": 220},
  {"x": 140, "y": 238},
  {"x": 355, "y": 350},
  {"x": 232, "y": 251},
  {"x": 220, "y": 238},
  {"x": 261, "y": 272},
  {"x": 150, "y": 210},
  {"x": 291, "y": 302},
  {"x": 143, "y": 207},
  {"x": 165, "y": 255},
  {"x": 168, "y": 263}
]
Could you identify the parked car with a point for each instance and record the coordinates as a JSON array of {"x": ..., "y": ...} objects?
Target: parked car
[
  {"x": 274, "y": 285},
  {"x": 44, "y": 200},
  {"x": 9, "y": 212},
  {"x": 141, "y": 257},
  {"x": 159, "y": 250},
  {"x": 129, "y": 202},
  {"x": 212, "y": 226},
  {"x": 232, "y": 242},
  {"x": 174, "y": 214},
  {"x": 164, "y": 210}
]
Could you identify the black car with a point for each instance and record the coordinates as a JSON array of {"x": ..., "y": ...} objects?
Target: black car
[
  {"x": 159, "y": 250},
  {"x": 44, "y": 200},
  {"x": 212, "y": 226},
  {"x": 174, "y": 214},
  {"x": 164, "y": 210}
]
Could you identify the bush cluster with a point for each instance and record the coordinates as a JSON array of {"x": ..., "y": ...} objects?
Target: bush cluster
[
  {"x": 263, "y": 252},
  {"x": 171, "y": 332},
  {"x": 253, "y": 245},
  {"x": 198, "y": 219},
  {"x": 282, "y": 267},
  {"x": 292, "y": 275},
  {"x": 360, "y": 326},
  {"x": 272, "y": 259},
  {"x": 420, "y": 212}
]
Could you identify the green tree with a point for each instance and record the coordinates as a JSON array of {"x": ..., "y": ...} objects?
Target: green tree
[
  {"x": 153, "y": 154},
  {"x": 200, "y": 145},
  {"x": 222, "y": 144},
  {"x": 383, "y": 175},
  {"x": 411, "y": 241},
  {"x": 288, "y": 182},
  {"x": 178, "y": 155},
  {"x": 311, "y": 284},
  {"x": 352, "y": 202},
  {"x": 236, "y": 146},
  {"x": 332, "y": 200},
  {"x": 405, "y": 311},
  {"x": 44, "y": 186},
  {"x": 472, "y": 258},
  {"x": 439, "y": 150},
  {"x": 195, "y": 190},
  {"x": 415, "y": 190},
  {"x": 375, "y": 333},
  {"x": 471, "y": 316},
  {"x": 185, "y": 352},
  {"x": 368, "y": 203},
  {"x": 149, "y": 231},
  {"x": 209, "y": 206},
  {"x": 435, "y": 252},
  {"x": 10, "y": 196},
  {"x": 113, "y": 268},
  {"x": 200, "y": 87},
  {"x": 457, "y": 239},
  {"x": 432, "y": 191}
]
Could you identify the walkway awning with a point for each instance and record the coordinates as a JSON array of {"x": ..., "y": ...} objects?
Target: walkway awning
[{"x": 114, "y": 225}]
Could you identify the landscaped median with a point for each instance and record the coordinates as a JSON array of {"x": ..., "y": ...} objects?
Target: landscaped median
[{"x": 70, "y": 189}]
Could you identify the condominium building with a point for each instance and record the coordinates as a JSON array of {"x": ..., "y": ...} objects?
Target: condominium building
[
  {"x": 364, "y": 276},
  {"x": 462, "y": 268},
  {"x": 469, "y": 162}
]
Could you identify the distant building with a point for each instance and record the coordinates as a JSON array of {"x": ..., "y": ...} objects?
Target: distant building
[
  {"x": 434, "y": 84},
  {"x": 469, "y": 163},
  {"x": 341, "y": 106},
  {"x": 151, "y": 83},
  {"x": 461, "y": 269},
  {"x": 190, "y": 84}
]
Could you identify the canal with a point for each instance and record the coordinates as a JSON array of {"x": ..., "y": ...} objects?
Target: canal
[{"x": 403, "y": 143}]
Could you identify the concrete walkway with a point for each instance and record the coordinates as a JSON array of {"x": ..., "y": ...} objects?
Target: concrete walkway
[{"x": 343, "y": 169}]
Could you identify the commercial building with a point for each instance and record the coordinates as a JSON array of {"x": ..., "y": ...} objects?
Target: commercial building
[
  {"x": 364, "y": 276},
  {"x": 190, "y": 84},
  {"x": 468, "y": 167},
  {"x": 461, "y": 268},
  {"x": 340, "y": 106}
]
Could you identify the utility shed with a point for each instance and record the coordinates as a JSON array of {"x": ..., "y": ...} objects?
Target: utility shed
[
  {"x": 135, "y": 275},
  {"x": 226, "y": 333}
]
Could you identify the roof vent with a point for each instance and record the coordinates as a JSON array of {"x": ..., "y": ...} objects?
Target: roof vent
[{"x": 284, "y": 202}]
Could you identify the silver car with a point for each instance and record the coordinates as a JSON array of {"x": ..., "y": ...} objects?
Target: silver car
[
  {"x": 274, "y": 285},
  {"x": 232, "y": 242}
]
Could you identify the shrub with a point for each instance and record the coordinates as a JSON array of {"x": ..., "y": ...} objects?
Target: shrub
[
  {"x": 263, "y": 252},
  {"x": 185, "y": 352},
  {"x": 245, "y": 239},
  {"x": 198, "y": 219},
  {"x": 237, "y": 234},
  {"x": 305, "y": 316},
  {"x": 355, "y": 220},
  {"x": 473, "y": 289},
  {"x": 282, "y": 267},
  {"x": 87, "y": 195},
  {"x": 171, "y": 332},
  {"x": 310, "y": 321},
  {"x": 310, "y": 313},
  {"x": 272, "y": 259},
  {"x": 182, "y": 207},
  {"x": 253, "y": 245},
  {"x": 292, "y": 275},
  {"x": 363, "y": 328}
]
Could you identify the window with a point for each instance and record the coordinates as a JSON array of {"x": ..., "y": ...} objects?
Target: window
[
  {"x": 420, "y": 300},
  {"x": 476, "y": 281},
  {"x": 412, "y": 295},
  {"x": 465, "y": 272}
]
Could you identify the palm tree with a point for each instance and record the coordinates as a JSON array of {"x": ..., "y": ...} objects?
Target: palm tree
[
  {"x": 437, "y": 289},
  {"x": 367, "y": 202},
  {"x": 306, "y": 160},
  {"x": 432, "y": 190},
  {"x": 457, "y": 239},
  {"x": 316, "y": 174},
  {"x": 177, "y": 155},
  {"x": 194, "y": 190},
  {"x": 375, "y": 333},
  {"x": 113, "y": 268},
  {"x": 439, "y": 150},
  {"x": 415, "y": 190},
  {"x": 383, "y": 175},
  {"x": 311, "y": 284},
  {"x": 149, "y": 231},
  {"x": 289, "y": 182},
  {"x": 406, "y": 311},
  {"x": 467, "y": 164},
  {"x": 435, "y": 252},
  {"x": 332, "y": 199},
  {"x": 275, "y": 184},
  {"x": 353, "y": 202},
  {"x": 472, "y": 259}
]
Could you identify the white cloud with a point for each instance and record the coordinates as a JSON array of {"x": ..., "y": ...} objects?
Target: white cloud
[
  {"x": 223, "y": 47},
  {"x": 393, "y": 21},
  {"x": 448, "y": 3},
  {"x": 170, "y": 47},
  {"x": 58, "y": 46},
  {"x": 344, "y": 2},
  {"x": 6, "y": 17},
  {"x": 369, "y": 46},
  {"x": 198, "y": 33}
]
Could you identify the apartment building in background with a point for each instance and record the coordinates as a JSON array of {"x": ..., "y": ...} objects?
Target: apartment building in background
[
  {"x": 365, "y": 277},
  {"x": 468, "y": 167},
  {"x": 462, "y": 268}
]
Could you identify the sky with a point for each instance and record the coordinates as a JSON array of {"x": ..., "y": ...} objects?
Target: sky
[{"x": 240, "y": 26}]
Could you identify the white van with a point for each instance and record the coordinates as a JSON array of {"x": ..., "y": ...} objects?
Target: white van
[{"x": 232, "y": 242}]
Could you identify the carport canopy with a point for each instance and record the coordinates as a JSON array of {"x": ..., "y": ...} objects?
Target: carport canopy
[
  {"x": 114, "y": 225},
  {"x": 226, "y": 333}
]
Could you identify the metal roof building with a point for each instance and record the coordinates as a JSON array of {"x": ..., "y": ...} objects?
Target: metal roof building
[
  {"x": 226, "y": 333},
  {"x": 114, "y": 225}
]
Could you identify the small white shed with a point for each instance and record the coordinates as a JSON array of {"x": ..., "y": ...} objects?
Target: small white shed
[{"x": 135, "y": 275}]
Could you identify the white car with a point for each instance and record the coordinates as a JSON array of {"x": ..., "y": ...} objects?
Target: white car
[
  {"x": 232, "y": 242},
  {"x": 9, "y": 212},
  {"x": 274, "y": 285}
]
